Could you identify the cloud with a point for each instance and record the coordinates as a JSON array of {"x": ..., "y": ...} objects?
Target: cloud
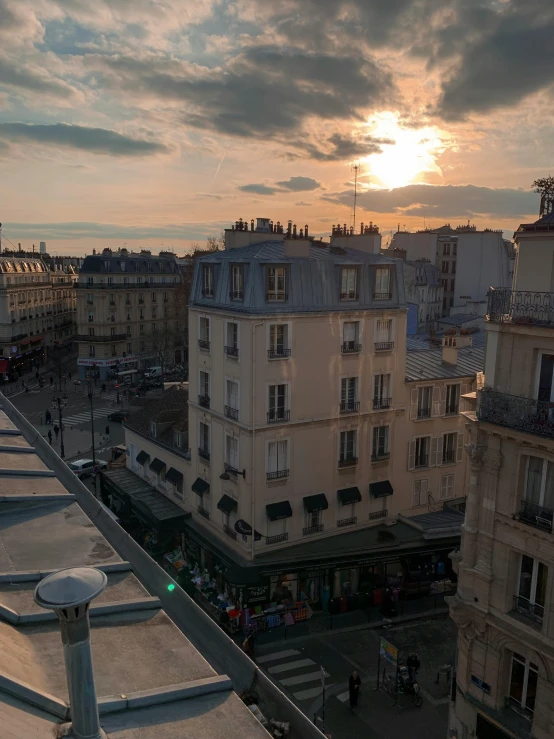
[
  {"x": 18, "y": 75},
  {"x": 92, "y": 230},
  {"x": 260, "y": 189},
  {"x": 449, "y": 201},
  {"x": 300, "y": 184},
  {"x": 84, "y": 138},
  {"x": 302, "y": 204}
]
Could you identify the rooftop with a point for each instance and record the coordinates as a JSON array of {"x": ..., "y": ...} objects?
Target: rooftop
[
  {"x": 129, "y": 263},
  {"x": 428, "y": 365},
  {"x": 170, "y": 411},
  {"x": 458, "y": 319},
  {"x": 151, "y": 682}
]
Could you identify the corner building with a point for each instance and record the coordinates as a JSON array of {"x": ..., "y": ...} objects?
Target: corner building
[{"x": 504, "y": 605}]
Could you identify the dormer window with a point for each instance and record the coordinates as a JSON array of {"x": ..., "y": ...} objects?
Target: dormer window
[
  {"x": 177, "y": 439},
  {"x": 237, "y": 280},
  {"x": 349, "y": 283},
  {"x": 276, "y": 284},
  {"x": 382, "y": 284},
  {"x": 153, "y": 429},
  {"x": 207, "y": 281}
]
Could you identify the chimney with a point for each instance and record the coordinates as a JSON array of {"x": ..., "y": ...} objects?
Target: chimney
[
  {"x": 68, "y": 593},
  {"x": 451, "y": 343}
]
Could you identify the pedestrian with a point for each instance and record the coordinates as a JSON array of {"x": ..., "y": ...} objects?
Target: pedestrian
[
  {"x": 103, "y": 388},
  {"x": 36, "y": 376},
  {"x": 107, "y": 430},
  {"x": 51, "y": 380},
  {"x": 354, "y": 689},
  {"x": 70, "y": 375},
  {"x": 56, "y": 430},
  {"x": 50, "y": 436},
  {"x": 48, "y": 418}
]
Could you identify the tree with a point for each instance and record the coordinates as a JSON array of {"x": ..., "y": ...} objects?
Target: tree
[{"x": 545, "y": 187}]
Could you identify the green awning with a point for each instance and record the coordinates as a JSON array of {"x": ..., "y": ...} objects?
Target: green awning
[
  {"x": 156, "y": 465},
  {"x": 200, "y": 486},
  {"x": 277, "y": 511},
  {"x": 349, "y": 495},
  {"x": 380, "y": 489},
  {"x": 174, "y": 476},
  {"x": 227, "y": 504},
  {"x": 313, "y": 503},
  {"x": 142, "y": 457}
]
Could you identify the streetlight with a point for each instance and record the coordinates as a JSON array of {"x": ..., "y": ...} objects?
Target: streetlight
[
  {"x": 59, "y": 403},
  {"x": 117, "y": 396},
  {"x": 90, "y": 397}
]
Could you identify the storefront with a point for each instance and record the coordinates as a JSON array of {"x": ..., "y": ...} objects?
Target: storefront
[{"x": 103, "y": 369}]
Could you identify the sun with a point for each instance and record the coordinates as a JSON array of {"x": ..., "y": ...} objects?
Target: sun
[{"x": 413, "y": 153}]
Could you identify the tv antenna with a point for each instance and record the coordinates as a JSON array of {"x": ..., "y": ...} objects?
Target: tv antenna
[{"x": 355, "y": 167}]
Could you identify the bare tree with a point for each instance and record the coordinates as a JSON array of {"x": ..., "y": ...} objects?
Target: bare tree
[{"x": 545, "y": 187}]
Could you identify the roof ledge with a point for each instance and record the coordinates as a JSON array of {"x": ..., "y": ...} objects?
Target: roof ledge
[
  {"x": 26, "y": 473},
  {"x": 35, "y": 697}
]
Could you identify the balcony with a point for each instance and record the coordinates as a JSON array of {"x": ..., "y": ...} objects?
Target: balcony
[
  {"x": 347, "y": 521},
  {"x": 278, "y": 296},
  {"x": 535, "y": 515},
  {"x": 516, "y": 412},
  {"x": 308, "y": 530},
  {"x": 533, "y": 611},
  {"x": 350, "y": 406},
  {"x": 204, "y": 401},
  {"x": 382, "y": 296},
  {"x": 231, "y": 412},
  {"x": 278, "y": 353},
  {"x": 101, "y": 339},
  {"x": 349, "y": 296},
  {"x": 424, "y": 412},
  {"x": 350, "y": 347},
  {"x": 278, "y": 415},
  {"x": 203, "y": 512},
  {"x": 208, "y": 293},
  {"x": 277, "y": 475},
  {"x": 204, "y": 453},
  {"x": 231, "y": 351},
  {"x": 380, "y": 404},
  {"x": 348, "y": 462},
  {"x": 235, "y": 295},
  {"x": 380, "y": 457},
  {"x": 383, "y": 346},
  {"x": 449, "y": 457},
  {"x": 204, "y": 345},
  {"x": 378, "y": 514},
  {"x": 520, "y": 307},
  {"x": 277, "y": 539},
  {"x": 231, "y": 533},
  {"x": 421, "y": 461}
]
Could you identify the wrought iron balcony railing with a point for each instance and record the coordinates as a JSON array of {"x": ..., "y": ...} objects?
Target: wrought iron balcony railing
[
  {"x": 278, "y": 353},
  {"x": 423, "y": 412},
  {"x": 520, "y": 306},
  {"x": 278, "y": 474},
  {"x": 347, "y": 521},
  {"x": 278, "y": 415},
  {"x": 382, "y": 296},
  {"x": 516, "y": 412},
  {"x": 231, "y": 412},
  {"x": 350, "y": 347},
  {"x": 349, "y": 296},
  {"x": 277, "y": 539},
  {"x": 380, "y": 456},
  {"x": 384, "y": 346},
  {"x": 348, "y": 461},
  {"x": 203, "y": 512},
  {"x": 235, "y": 294},
  {"x": 204, "y": 401},
  {"x": 204, "y": 453},
  {"x": 350, "y": 406},
  {"x": 378, "y": 514},
  {"x": 307, "y": 530},
  {"x": 203, "y": 344},
  {"x": 380, "y": 403},
  {"x": 535, "y": 515},
  {"x": 231, "y": 351},
  {"x": 524, "y": 606}
]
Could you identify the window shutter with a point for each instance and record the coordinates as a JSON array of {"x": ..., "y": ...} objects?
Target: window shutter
[
  {"x": 424, "y": 492},
  {"x": 443, "y": 493},
  {"x": 411, "y": 454},
  {"x": 442, "y": 409},
  {"x": 416, "y": 493},
  {"x": 413, "y": 403},
  {"x": 272, "y": 456},
  {"x": 434, "y": 446},
  {"x": 440, "y": 447},
  {"x": 460, "y": 447},
  {"x": 436, "y": 401}
]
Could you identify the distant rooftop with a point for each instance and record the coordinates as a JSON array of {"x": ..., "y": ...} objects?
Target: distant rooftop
[
  {"x": 428, "y": 365},
  {"x": 458, "y": 319}
]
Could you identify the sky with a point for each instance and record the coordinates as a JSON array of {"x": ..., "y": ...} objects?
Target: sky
[{"x": 160, "y": 122}]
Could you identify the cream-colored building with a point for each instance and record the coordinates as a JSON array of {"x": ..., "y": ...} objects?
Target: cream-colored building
[
  {"x": 37, "y": 312},
  {"x": 504, "y": 606},
  {"x": 127, "y": 311}
]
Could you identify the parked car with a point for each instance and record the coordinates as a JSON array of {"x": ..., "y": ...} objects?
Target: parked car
[
  {"x": 118, "y": 416},
  {"x": 152, "y": 372},
  {"x": 84, "y": 467}
]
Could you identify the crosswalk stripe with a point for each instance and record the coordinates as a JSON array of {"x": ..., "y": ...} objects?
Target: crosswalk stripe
[
  {"x": 82, "y": 417},
  {"x": 289, "y": 666},
  {"x": 343, "y": 697},
  {"x": 307, "y": 677},
  {"x": 277, "y": 655},
  {"x": 303, "y": 695}
]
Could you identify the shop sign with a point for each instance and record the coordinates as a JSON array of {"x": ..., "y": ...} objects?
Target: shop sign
[
  {"x": 388, "y": 651},
  {"x": 244, "y": 528},
  {"x": 485, "y": 687},
  {"x": 85, "y": 362},
  {"x": 259, "y": 594}
]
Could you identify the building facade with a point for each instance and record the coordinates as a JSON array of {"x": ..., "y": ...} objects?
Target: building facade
[
  {"x": 504, "y": 606},
  {"x": 129, "y": 312}
]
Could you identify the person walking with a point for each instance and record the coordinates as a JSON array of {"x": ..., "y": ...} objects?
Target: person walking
[
  {"x": 107, "y": 430},
  {"x": 56, "y": 430},
  {"x": 36, "y": 375},
  {"x": 354, "y": 689},
  {"x": 50, "y": 436},
  {"x": 51, "y": 380},
  {"x": 48, "y": 418}
]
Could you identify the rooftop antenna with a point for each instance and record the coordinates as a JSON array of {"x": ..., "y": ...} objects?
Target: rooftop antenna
[{"x": 355, "y": 167}]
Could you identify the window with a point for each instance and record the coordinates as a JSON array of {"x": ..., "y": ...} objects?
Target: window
[
  {"x": 141, "y": 345},
  {"x": 449, "y": 446},
  {"x": 91, "y": 351},
  {"x": 207, "y": 280},
  {"x": 153, "y": 429},
  {"x": 537, "y": 508},
  {"x": 424, "y": 398},
  {"x": 444, "y": 284},
  {"x": 380, "y": 444},
  {"x": 447, "y": 487},
  {"x": 278, "y": 341},
  {"x": 446, "y": 249},
  {"x": 351, "y": 337},
  {"x": 348, "y": 448},
  {"x": 421, "y": 447},
  {"x": 452, "y": 285},
  {"x": 204, "y": 334},
  {"x": 112, "y": 332},
  {"x": 277, "y": 403},
  {"x": 204, "y": 389},
  {"x": 232, "y": 452},
  {"x": 276, "y": 283},
  {"x": 232, "y": 399},
  {"x": 546, "y": 378},
  {"x": 382, "y": 395},
  {"x": 349, "y": 395},
  {"x": 453, "y": 269},
  {"x": 383, "y": 333},
  {"x": 232, "y": 340},
  {"x": 204, "y": 440},
  {"x": 420, "y": 492},
  {"x": 277, "y": 459},
  {"x": 455, "y": 250},
  {"x": 452, "y": 398},
  {"x": 114, "y": 352},
  {"x": 89, "y": 298},
  {"x": 451, "y": 303},
  {"x": 444, "y": 268},
  {"x": 90, "y": 317},
  {"x": 154, "y": 312},
  {"x": 141, "y": 298},
  {"x": 382, "y": 284},
  {"x": 236, "y": 282},
  {"x": 129, "y": 348},
  {"x": 90, "y": 280},
  {"x": 531, "y": 592},
  {"x": 349, "y": 283},
  {"x": 523, "y": 683},
  {"x": 91, "y": 332},
  {"x": 313, "y": 521},
  {"x": 141, "y": 329},
  {"x": 154, "y": 328}
]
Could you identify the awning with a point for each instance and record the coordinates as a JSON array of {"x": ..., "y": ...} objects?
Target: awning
[
  {"x": 349, "y": 495},
  {"x": 173, "y": 475},
  {"x": 277, "y": 511},
  {"x": 200, "y": 486},
  {"x": 313, "y": 503},
  {"x": 142, "y": 457},
  {"x": 156, "y": 465},
  {"x": 227, "y": 504},
  {"x": 380, "y": 489}
]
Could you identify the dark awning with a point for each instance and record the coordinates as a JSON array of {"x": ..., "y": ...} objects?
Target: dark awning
[
  {"x": 142, "y": 457},
  {"x": 156, "y": 465},
  {"x": 349, "y": 495},
  {"x": 380, "y": 489},
  {"x": 313, "y": 503},
  {"x": 200, "y": 486},
  {"x": 227, "y": 504},
  {"x": 277, "y": 511},
  {"x": 173, "y": 475}
]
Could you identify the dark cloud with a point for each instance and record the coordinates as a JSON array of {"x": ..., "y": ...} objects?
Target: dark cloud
[
  {"x": 260, "y": 189},
  {"x": 341, "y": 147},
  {"x": 509, "y": 56},
  {"x": 17, "y": 75},
  {"x": 300, "y": 184},
  {"x": 94, "y": 140},
  {"x": 449, "y": 201},
  {"x": 93, "y": 230}
]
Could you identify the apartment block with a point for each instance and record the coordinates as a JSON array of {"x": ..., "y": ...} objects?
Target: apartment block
[{"x": 504, "y": 605}]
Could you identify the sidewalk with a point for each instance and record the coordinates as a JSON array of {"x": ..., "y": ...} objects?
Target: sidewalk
[{"x": 77, "y": 442}]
